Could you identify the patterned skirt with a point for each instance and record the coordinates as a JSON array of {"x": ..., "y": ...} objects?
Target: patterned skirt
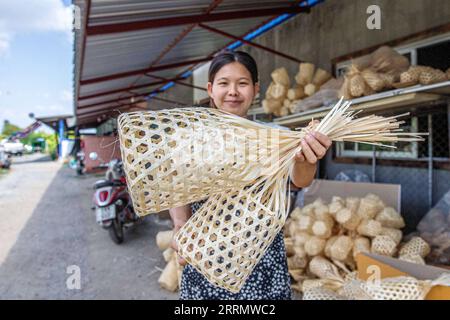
[{"x": 269, "y": 280}]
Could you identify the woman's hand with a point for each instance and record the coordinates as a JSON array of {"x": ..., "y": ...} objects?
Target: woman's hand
[
  {"x": 314, "y": 147},
  {"x": 174, "y": 246},
  {"x": 179, "y": 217}
]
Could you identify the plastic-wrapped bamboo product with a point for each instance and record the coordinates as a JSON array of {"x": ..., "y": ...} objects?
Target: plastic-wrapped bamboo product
[
  {"x": 278, "y": 91},
  {"x": 360, "y": 245},
  {"x": 320, "y": 77},
  {"x": 169, "y": 278},
  {"x": 373, "y": 80},
  {"x": 321, "y": 211},
  {"x": 341, "y": 248},
  {"x": 412, "y": 258},
  {"x": 305, "y": 223},
  {"x": 358, "y": 86},
  {"x": 321, "y": 293},
  {"x": 315, "y": 246},
  {"x": 368, "y": 208},
  {"x": 300, "y": 251},
  {"x": 388, "y": 80},
  {"x": 329, "y": 245},
  {"x": 305, "y": 74},
  {"x": 296, "y": 262},
  {"x": 352, "y": 203},
  {"x": 348, "y": 219},
  {"x": 394, "y": 234},
  {"x": 271, "y": 105},
  {"x": 300, "y": 238},
  {"x": 390, "y": 218},
  {"x": 168, "y": 254},
  {"x": 296, "y": 213},
  {"x": 281, "y": 76},
  {"x": 289, "y": 245},
  {"x": 310, "y": 89},
  {"x": 164, "y": 239},
  {"x": 369, "y": 228},
  {"x": 323, "y": 228},
  {"x": 384, "y": 245},
  {"x": 324, "y": 269},
  {"x": 432, "y": 76},
  {"x": 398, "y": 288},
  {"x": 308, "y": 209},
  {"x": 337, "y": 203},
  {"x": 415, "y": 246},
  {"x": 296, "y": 93},
  {"x": 330, "y": 284}
]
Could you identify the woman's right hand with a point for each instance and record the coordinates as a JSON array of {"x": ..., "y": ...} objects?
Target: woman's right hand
[
  {"x": 174, "y": 246},
  {"x": 179, "y": 216}
]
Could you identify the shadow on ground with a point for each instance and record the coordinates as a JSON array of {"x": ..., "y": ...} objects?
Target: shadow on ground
[{"x": 62, "y": 232}]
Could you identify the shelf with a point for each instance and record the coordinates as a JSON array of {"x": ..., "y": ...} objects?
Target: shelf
[{"x": 381, "y": 101}]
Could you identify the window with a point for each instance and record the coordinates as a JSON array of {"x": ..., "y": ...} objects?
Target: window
[{"x": 403, "y": 150}]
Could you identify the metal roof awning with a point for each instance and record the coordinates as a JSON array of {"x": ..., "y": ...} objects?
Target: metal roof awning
[
  {"x": 127, "y": 50},
  {"x": 52, "y": 121}
]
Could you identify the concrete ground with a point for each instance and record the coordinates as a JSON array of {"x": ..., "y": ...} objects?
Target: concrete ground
[{"x": 48, "y": 236}]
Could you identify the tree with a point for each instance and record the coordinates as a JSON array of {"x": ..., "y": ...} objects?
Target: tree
[{"x": 9, "y": 128}]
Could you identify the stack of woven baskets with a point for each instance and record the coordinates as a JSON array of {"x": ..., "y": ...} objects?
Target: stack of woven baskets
[
  {"x": 170, "y": 278},
  {"x": 423, "y": 75},
  {"x": 280, "y": 98},
  {"x": 323, "y": 240}
]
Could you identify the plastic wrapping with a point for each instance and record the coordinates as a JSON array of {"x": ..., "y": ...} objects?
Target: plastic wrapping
[
  {"x": 435, "y": 229},
  {"x": 352, "y": 176}
]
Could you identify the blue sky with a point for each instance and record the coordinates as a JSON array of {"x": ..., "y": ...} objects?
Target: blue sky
[{"x": 36, "y": 59}]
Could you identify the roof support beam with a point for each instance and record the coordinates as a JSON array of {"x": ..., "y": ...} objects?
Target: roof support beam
[
  {"x": 111, "y": 101},
  {"x": 150, "y": 84},
  {"x": 143, "y": 71},
  {"x": 191, "y": 19},
  {"x": 225, "y": 34},
  {"x": 177, "y": 81}
]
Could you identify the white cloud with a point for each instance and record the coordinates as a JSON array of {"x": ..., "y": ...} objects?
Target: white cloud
[
  {"x": 66, "y": 96},
  {"x": 5, "y": 39},
  {"x": 32, "y": 16},
  {"x": 52, "y": 110}
]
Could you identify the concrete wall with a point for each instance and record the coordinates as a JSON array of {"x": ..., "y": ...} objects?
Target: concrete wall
[
  {"x": 338, "y": 27},
  {"x": 106, "y": 147}
]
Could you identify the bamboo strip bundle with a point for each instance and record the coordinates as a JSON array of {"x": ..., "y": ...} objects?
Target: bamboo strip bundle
[
  {"x": 174, "y": 157},
  {"x": 164, "y": 239}
]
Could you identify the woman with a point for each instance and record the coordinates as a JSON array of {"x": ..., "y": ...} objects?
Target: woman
[{"x": 232, "y": 86}]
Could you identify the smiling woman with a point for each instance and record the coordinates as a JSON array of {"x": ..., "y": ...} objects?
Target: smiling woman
[
  {"x": 232, "y": 86},
  {"x": 233, "y": 82}
]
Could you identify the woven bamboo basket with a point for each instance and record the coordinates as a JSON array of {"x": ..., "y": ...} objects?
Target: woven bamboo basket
[{"x": 179, "y": 156}]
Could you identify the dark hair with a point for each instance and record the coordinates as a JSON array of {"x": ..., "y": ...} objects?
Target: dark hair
[{"x": 227, "y": 57}]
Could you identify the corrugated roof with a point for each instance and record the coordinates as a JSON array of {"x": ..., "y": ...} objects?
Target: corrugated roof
[{"x": 120, "y": 41}]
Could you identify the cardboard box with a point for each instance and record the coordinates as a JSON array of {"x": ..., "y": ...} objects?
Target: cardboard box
[
  {"x": 326, "y": 189},
  {"x": 389, "y": 267}
]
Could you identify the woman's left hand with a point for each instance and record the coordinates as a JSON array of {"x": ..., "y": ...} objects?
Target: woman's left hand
[{"x": 314, "y": 147}]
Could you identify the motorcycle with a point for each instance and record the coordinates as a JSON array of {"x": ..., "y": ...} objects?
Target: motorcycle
[
  {"x": 113, "y": 207},
  {"x": 79, "y": 165}
]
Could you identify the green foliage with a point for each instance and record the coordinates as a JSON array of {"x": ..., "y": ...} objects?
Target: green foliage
[{"x": 9, "y": 128}]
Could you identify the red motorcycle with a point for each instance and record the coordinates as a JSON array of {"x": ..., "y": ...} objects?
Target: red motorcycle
[{"x": 113, "y": 208}]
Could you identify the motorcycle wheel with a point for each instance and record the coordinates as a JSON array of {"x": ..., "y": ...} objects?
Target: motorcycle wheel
[{"x": 116, "y": 231}]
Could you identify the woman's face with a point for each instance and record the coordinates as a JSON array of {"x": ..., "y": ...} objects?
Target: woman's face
[{"x": 232, "y": 89}]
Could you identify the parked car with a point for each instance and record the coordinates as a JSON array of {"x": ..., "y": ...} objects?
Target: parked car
[{"x": 14, "y": 147}]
